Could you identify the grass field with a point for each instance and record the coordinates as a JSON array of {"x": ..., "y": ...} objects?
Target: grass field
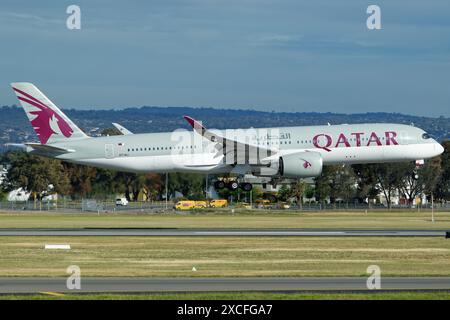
[
  {"x": 228, "y": 256},
  {"x": 225, "y": 256},
  {"x": 224, "y": 219},
  {"x": 241, "y": 296}
]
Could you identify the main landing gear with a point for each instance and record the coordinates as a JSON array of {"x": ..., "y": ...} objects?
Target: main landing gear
[{"x": 232, "y": 185}]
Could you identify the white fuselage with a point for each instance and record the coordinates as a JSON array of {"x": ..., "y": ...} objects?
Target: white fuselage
[
  {"x": 187, "y": 151},
  {"x": 289, "y": 151}
]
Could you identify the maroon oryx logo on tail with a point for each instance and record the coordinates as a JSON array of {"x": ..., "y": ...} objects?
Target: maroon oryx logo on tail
[{"x": 43, "y": 118}]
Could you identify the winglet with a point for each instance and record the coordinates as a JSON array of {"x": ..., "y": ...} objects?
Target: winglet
[
  {"x": 194, "y": 123},
  {"x": 122, "y": 129}
]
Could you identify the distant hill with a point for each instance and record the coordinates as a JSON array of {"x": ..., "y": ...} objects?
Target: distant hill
[{"x": 15, "y": 127}]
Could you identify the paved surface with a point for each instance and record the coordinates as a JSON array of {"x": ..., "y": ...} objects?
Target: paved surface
[
  {"x": 220, "y": 232},
  {"x": 30, "y": 285}
]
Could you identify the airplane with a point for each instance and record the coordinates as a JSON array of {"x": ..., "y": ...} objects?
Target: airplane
[{"x": 277, "y": 153}]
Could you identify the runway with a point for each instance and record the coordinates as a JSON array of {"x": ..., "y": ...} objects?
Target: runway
[
  {"x": 163, "y": 232},
  {"x": 34, "y": 285}
]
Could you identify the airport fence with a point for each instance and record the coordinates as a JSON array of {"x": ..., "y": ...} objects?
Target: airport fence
[
  {"x": 359, "y": 207},
  {"x": 109, "y": 206},
  {"x": 85, "y": 205}
]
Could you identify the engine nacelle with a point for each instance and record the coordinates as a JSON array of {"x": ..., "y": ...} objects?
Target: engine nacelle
[
  {"x": 300, "y": 165},
  {"x": 295, "y": 165}
]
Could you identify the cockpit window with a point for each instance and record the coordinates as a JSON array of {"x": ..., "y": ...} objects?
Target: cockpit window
[{"x": 426, "y": 136}]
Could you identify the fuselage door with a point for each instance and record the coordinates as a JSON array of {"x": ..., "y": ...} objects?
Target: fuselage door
[{"x": 109, "y": 151}]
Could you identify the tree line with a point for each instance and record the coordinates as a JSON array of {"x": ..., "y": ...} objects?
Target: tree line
[{"x": 43, "y": 176}]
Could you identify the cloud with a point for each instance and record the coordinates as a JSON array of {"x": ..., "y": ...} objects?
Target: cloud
[
  {"x": 358, "y": 45},
  {"x": 20, "y": 17},
  {"x": 315, "y": 44}
]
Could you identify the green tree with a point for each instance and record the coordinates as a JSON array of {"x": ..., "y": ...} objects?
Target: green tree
[
  {"x": 132, "y": 184},
  {"x": 37, "y": 175},
  {"x": 110, "y": 132},
  {"x": 191, "y": 185},
  {"x": 421, "y": 180},
  {"x": 442, "y": 189},
  {"x": 430, "y": 175},
  {"x": 81, "y": 178},
  {"x": 105, "y": 184},
  {"x": 389, "y": 177},
  {"x": 284, "y": 193},
  {"x": 323, "y": 183},
  {"x": 344, "y": 184},
  {"x": 298, "y": 188},
  {"x": 153, "y": 185},
  {"x": 309, "y": 191},
  {"x": 366, "y": 182}
]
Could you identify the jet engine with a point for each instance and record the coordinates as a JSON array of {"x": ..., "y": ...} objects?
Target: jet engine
[{"x": 296, "y": 165}]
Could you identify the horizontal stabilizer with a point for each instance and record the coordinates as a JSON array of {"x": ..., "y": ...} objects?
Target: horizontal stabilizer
[
  {"x": 48, "y": 148},
  {"x": 18, "y": 146}
]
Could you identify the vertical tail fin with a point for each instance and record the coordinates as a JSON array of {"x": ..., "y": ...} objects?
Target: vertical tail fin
[{"x": 49, "y": 122}]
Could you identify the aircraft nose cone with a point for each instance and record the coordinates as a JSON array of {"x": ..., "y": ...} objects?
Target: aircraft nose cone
[{"x": 439, "y": 148}]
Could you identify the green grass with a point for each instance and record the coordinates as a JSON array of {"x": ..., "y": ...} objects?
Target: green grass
[
  {"x": 225, "y": 256},
  {"x": 242, "y": 296},
  {"x": 224, "y": 219}
]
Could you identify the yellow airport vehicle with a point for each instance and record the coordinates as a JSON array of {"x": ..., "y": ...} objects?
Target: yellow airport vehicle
[
  {"x": 218, "y": 203},
  {"x": 200, "y": 204},
  {"x": 190, "y": 204},
  {"x": 185, "y": 205}
]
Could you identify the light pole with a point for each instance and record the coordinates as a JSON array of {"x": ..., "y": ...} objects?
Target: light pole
[
  {"x": 432, "y": 208},
  {"x": 206, "y": 186},
  {"x": 167, "y": 189}
]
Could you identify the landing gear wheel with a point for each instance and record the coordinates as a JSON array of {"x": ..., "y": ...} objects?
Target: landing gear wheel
[
  {"x": 233, "y": 185},
  {"x": 219, "y": 185},
  {"x": 246, "y": 187}
]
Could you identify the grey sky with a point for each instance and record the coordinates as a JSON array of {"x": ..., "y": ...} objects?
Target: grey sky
[{"x": 267, "y": 55}]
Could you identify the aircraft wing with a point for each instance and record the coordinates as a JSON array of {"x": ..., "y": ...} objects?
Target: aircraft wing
[
  {"x": 225, "y": 146},
  {"x": 122, "y": 129}
]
